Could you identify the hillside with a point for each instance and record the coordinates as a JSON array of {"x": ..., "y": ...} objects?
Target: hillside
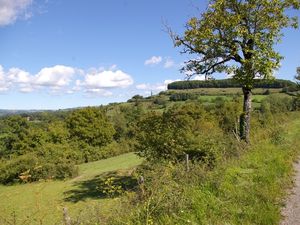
[
  {"x": 42, "y": 202},
  {"x": 39, "y": 158}
]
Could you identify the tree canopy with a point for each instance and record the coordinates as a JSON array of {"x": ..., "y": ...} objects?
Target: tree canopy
[{"x": 237, "y": 37}]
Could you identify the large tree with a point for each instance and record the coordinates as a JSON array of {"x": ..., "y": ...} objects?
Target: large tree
[{"x": 237, "y": 37}]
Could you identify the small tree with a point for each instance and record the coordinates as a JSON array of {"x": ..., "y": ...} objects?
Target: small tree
[
  {"x": 91, "y": 126},
  {"x": 237, "y": 36}
]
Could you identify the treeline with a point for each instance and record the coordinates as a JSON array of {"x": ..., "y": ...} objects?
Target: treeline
[
  {"x": 49, "y": 145},
  {"x": 230, "y": 83}
]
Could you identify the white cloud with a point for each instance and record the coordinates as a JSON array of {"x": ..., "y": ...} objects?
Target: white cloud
[
  {"x": 169, "y": 63},
  {"x": 198, "y": 77},
  {"x": 56, "y": 76},
  {"x": 153, "y": 60},
  {"x": 106, "y": 79},
  {"x": 166, "y": 82},
  {"x": 60, "y": 79},
  {"x": 155, "y": 87},
  {"x": 11, "y": 10},
  {"x": 17, "y": 75},
  {"x": 26, "y": 89}
]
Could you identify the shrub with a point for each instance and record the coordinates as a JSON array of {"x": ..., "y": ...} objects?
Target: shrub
[
  {"x": 183, "y": 96},
  {"x": 277, "y": 103},
  {"x": 28, "y": 168},
  {"x": 178, "y": 131}
]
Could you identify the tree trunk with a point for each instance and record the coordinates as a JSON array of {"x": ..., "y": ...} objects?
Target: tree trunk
[{"x": 245, "y": 117}]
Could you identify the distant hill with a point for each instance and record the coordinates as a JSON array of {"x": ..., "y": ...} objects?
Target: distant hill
[
  {"x": 229, "y": 83},
  {"x": 6, "y": 112}
]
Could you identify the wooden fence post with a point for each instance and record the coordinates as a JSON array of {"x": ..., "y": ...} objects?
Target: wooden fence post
[
  {"x": 67, "y": 219},
  {"x": 187, "y": 162}
]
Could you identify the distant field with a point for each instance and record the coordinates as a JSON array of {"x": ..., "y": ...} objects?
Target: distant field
[{"x": 42, "y": 202}]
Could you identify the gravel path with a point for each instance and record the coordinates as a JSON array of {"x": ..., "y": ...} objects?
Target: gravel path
[{"x": 291, "y": 211}]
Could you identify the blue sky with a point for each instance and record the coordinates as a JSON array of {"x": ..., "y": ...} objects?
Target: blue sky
[{"x": 63, "y": 53}]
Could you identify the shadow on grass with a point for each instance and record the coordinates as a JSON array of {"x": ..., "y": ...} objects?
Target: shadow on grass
[{"x": 106, "y": 185}]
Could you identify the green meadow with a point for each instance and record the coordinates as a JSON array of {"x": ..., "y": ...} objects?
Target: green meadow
[{"x": 43, "y": 202}]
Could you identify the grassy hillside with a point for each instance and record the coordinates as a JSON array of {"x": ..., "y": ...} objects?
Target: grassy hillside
[
  {"x": 246, "y": 189},
  {"x": 42, "y": 202}
]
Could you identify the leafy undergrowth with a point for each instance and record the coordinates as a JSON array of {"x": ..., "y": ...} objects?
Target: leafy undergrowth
[{"x": 43, "y": 202}]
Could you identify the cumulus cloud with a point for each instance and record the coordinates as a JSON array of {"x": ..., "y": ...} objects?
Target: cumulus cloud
[
  {"x": 11, "y": 10},
  {"x": 17, "y": 75},
  {"x": 198, "y": 77},
  {"x": 153, "y": 60},
  {"x": 106, "y": 79},
  {"x": 56, "y": 76},
  {"x": 60, "y": 79}
]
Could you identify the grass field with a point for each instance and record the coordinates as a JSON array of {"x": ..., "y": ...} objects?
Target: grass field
[{"x": 42, "y": 202}]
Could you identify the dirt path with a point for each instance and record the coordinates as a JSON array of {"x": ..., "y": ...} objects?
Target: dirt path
[{"x": 291, "y": 211}]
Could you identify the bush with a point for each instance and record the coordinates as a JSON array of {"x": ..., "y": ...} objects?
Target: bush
[
  {"x": 178, "y": 131},
  {"x": 90, "y": 125},
  {"x": 28, "y": 168},
  {"x": 296, "y": 103},
  {"x": 277, "y": 103},
  {"x": 183, "y": 96}
]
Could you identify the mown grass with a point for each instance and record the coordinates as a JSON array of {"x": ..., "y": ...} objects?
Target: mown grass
[{"x": 42, "y": 202}]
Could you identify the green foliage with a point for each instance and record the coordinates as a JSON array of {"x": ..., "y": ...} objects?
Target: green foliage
[
  {"x": 228, "y": 113},
  {"x": 277, "y": 104},
  {"x": 231, "y": 83},
  {"x": 246, "y": 37},
  {"x": 90, "y": 125},
  {"x": 183, "y": 96},
  {"x": 14, "y": 131},
  {"x": 57, "y": 144},
  {"x": 110, "y": 188},
  {"x": 160, "y": 101},
  {"x": 136, "y": 98},
  {"x": 242, "y": 190},
  {"x": 178, "y": 131},
  {"x": 28, "y": 168},
  {"x": 241, "y": 45},
  {"x": 296, "y": 103}
]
